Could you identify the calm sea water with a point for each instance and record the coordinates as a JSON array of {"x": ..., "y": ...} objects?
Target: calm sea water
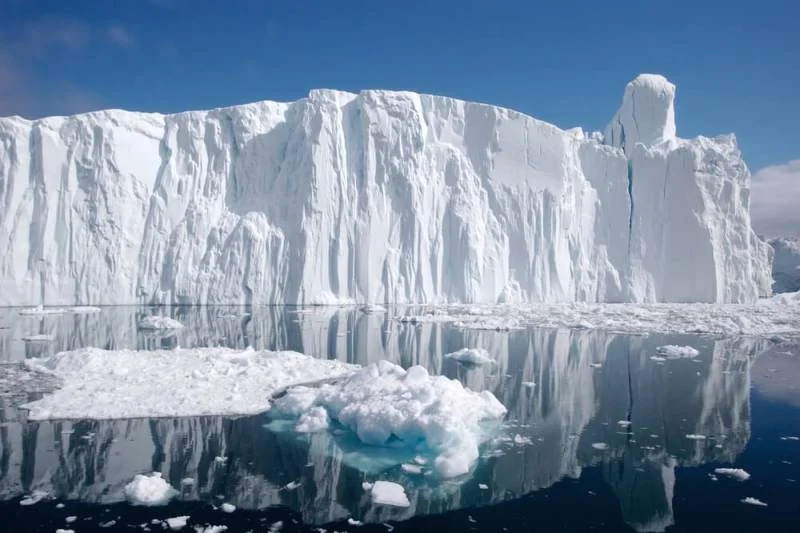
[{"x": 599, "y": 436}]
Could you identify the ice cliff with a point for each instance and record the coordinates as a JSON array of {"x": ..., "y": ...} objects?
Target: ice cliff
[{"x": 373, "y": 197}]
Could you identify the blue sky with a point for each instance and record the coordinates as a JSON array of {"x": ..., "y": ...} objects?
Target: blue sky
[{"x": 736, "y": 64}]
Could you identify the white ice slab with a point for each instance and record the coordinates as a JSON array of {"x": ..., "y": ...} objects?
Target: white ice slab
[{"x": 102, "y": 384}]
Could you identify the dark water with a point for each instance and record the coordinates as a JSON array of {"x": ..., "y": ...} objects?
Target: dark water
[{"x": 548, "y": 473}]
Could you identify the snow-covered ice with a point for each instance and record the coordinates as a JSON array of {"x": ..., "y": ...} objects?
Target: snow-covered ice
[
  {"x": 102, "y": 384},
  {"x": 736, "y": 473},
  {"x": 386, "y": 405},
  {"x": 149, "y": 490},
  {"x": 158, "y": 322},
  {"x": 672, "y": 351},
  {"x": 475, "y": 356},
  {"x": 374, "y": 197},
  {"x": 389, "y": 493}
]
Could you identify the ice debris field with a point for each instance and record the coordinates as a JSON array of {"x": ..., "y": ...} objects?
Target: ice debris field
[
  {"x": 374, "y": 197},
  {"x": 383, "y": 404}
]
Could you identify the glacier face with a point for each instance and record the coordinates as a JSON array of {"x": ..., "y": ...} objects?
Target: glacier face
[{"x": 375, "y": 197}]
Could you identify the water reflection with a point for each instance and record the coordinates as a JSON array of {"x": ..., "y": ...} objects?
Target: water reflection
[{"x": 566, "y": 391}]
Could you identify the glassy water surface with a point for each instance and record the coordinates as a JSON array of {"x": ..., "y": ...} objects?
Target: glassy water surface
[{"x": 599, "y": 436}]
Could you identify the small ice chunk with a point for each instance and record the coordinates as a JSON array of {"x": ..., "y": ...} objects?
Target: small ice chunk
[
  {"x": 187, "y": 481},
  {"x": 411, "y": 468},
  {"x": 736, "y": 473},
  {"x": 70, "y": 519},
  {"x": 292, "y": 485},
  {"x": 657, "y": 358},
  {"x": 599, "y": 445},
  {"x": 354, "y": 522},
  {"x": 227, "y": 507},
  {"x": 314, "y": 420},
  {"x": 34, "y": 497},
  {"x": 596, "y": 365},
  {"x": 529, "y": 384},
  {"x": 220, "y": 459},
  {"x": 673, "y": 351},
  {"x": 211, "y": 529},
  {"x": 483, "y": 486},
  {"x": 474, "y": 356},
  {"x": 275, "y": 527},
  {"x": 519, "y": 439},
  {"x": 790, "y": 438},
  {"x": 753, "y": 501},
  {"x": 367, "y": 486},
  {"x": 60, "y": 530},
  {"x": 60, "y": 506},
  {"x": 110, "y": 523},
  {"x": 177, "y": 522},
  {"x": 149, "y": 490},
  {"x": 389, "y": 493},
  {"x": 624, "y": 423},
  {"x": 694, "y": 436},
  {"x": 157, "y": 322}
]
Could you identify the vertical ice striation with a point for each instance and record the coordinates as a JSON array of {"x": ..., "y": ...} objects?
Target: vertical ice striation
[{"x": 373, "y": 197}]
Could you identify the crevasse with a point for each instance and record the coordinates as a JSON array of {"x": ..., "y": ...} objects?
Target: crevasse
[{"x": 373, "y": 197}]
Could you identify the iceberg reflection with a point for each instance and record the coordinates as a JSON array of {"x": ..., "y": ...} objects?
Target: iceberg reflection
[{"x": 565, "y": 391}]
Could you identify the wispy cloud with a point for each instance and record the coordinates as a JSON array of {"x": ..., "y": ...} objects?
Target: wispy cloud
[
  {"x": 28, "y": 91},
  {"x": 120, "y": 36},
  {"x": 775, "y": 197}
]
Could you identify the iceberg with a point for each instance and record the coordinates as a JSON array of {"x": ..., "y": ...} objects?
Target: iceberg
[{"x": 373, "y": 198}]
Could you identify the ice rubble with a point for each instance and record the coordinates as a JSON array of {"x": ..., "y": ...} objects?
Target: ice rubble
[
  {"x": 149, "y": 490},
  {"x": 786, "y": 266},
  {"x": 374, "y": 197},
  {"x": 101, "y": 384},
  {"x": 388, "y": 406},
  {"x": 778, "y": 315}
]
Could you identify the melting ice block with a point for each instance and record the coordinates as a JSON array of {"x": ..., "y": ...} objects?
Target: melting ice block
[{"x": 388, "y": 406}]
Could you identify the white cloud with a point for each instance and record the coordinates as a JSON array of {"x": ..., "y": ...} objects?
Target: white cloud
[{"x": 775, "y": 200}]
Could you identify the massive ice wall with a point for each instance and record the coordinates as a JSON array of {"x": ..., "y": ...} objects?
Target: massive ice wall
[{"x": 376, "y": 197}]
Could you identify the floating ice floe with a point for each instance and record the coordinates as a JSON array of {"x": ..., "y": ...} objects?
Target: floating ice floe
[
  {"x": 389, "y": 493},
  {"x": 103, "y": 384},
  {"x": 736, "y": 473},
  {"x": 672, "y": 351},
  {"x": 34, "y": 497},
  {"x": 177, "y": 523},
  {"x": 474, "y": 356},
  {"x": 158, "y": 322},
  {"x": 753, "y": 501},
  {"x": 45, "y": 311},
  {"x": 386, "y": 405},
  {"x": 42, "y": 337},
  {"x": 768, "y": 317},
  {"x": 149, "y": 490}
]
